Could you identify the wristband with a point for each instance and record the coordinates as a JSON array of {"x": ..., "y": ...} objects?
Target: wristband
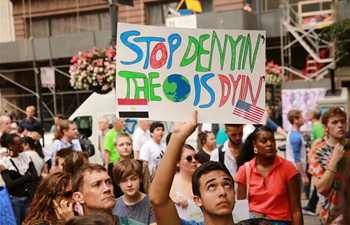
[{"x": 333, "y": 171}]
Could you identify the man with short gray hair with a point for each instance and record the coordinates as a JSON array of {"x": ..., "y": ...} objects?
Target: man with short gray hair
[{"x": 140, "y": 136}]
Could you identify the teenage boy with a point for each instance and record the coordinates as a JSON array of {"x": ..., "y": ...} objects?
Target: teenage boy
[
  {"x": 153, "y": 150},
  {"x": 295, "y": 146},
  {"x": 328, "y": 162},
  {"x": 212, "y": 185},
  {"x": 133, "y": 204}
]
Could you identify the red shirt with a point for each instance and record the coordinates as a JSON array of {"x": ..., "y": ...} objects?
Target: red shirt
[{"x": 272, "y": 198}]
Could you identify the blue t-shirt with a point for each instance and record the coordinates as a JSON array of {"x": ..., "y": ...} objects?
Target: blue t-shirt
[{"x": 190, "y": 222}]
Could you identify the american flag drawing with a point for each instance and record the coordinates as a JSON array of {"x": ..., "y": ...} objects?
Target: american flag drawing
[{"x": 248, "y": 111}]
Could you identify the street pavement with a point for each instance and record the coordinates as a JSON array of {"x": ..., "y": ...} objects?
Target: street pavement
[{"x": 309, "y": 220}]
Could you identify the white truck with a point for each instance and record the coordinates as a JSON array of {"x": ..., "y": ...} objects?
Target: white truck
[{"x": 99, "y": 105}]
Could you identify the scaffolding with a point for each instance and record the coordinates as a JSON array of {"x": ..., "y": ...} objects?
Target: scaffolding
[{"x": 301, "y": 24}]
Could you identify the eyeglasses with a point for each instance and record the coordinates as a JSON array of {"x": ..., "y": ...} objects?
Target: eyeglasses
[
  {"x": 190, "y": 157},
  {"x": 67, "y": 194}
]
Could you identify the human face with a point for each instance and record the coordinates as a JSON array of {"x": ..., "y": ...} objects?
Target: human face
[
  {"x": 6, "y": 124},
  {"x": 97, "y": 192},
  {"x": 103, "y": 124},
  {"x": 217, "y": 194},
  {"x": 309, "y": 115},
  {"x": 210, "y": 141},
  {"x": 266, "y": 145},
  {"x": 184, "y": 165},
  {"x": 235, "y": 134},
  {"x": 120, "y": 124},
  {"x": 60, "y": 163},
  {"x": 299, "y": 121},
  {"x": 336, "y": 127},
  {"x": 158, "y": 133},
  {"x": 30, "y": 113},
  {"x": 57, "y": 121},
  {"x": 123, "y": 147},
  {"x": 17, "y": 146},
  {"x": 71, "y": 132},
  {"x": 130, "y": 185},
  {"x": 66, "y": 194},
  {"x": 144, "y": 124}
]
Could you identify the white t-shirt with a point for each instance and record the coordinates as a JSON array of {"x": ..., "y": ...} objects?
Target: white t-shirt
[
  {"x": 139, "y": 138},
  {"x": 152, "y": 153}
]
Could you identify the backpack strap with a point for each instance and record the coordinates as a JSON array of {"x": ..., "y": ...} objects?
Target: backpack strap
[
  {"x": 247, "y": 174},
  {"x": 221, "y": 154}
]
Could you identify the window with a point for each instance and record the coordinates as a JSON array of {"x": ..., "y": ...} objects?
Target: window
[
  {"x": 84, "y": 125},
  {"x": 68, "y": 24}
]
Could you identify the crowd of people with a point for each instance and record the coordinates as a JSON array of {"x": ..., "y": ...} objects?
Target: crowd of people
[{"x": 142, "y": 180}]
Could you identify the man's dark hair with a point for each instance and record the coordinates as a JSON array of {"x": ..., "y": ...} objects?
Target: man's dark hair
[
  {"x": 155, "y": 125},
  {"x": 63, "y": 153},
  {"x": 233, "y": 125},
  {"x": 204, "y": 169}
]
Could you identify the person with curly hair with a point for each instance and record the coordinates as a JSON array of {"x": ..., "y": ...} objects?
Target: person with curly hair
[
  {"x": 52, "y": 203},
  {"x": 271, "y": 182}
]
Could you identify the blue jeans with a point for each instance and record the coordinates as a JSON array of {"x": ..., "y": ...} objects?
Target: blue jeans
[{"x": 20, "y": 207}]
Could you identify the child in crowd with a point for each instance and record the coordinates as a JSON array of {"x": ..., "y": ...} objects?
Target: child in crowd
[{"x": 133, "y": 204}]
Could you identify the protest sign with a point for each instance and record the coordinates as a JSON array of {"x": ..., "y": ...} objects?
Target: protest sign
[{"x": 165, "y": 73}]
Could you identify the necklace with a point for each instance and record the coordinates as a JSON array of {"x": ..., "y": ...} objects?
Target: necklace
[{"x": 133, "y": 208}]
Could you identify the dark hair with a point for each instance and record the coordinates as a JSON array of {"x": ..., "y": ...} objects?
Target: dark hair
[
  {"x": 78, "y": 177},
  {"x": 7, "y": 139},
  {"x": 204, "y": 169},
  {"x": 41, "y": 208},
  {"x": 155, "y": 125},
  {"x": 233, "y": 125},
  {"x": 91, "y": 219},
  {"x": 74, "y": 161},
  {"x": 247, "y": 152},
  {"x": 167, "y": 139},
  {"x": 125, "y": 168},
  {"x": 203, "y": 137},
  {"x": 63, "y": 153},
  {"x": 60, "y": 116},
  {"x": 29, "y": 141}
]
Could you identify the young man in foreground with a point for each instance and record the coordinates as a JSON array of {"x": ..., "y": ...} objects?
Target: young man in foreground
[{"x": 212, "y": 185}]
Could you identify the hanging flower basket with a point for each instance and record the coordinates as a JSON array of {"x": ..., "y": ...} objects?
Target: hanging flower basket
[
  {"x": 273, "y": 74},
  {"x": 94, "y": 70}
]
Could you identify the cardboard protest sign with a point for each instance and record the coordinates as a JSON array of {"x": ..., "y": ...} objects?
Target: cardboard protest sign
[{"x": 165, "y": 73}]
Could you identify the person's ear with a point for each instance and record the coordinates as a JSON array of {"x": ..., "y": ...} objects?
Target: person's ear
[
  {"x": 78, "y": 197},
  {"x": 198, "y": 201}
]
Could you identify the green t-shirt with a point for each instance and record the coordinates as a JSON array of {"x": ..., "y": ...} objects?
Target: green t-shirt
[
  {"x": 316, "y": 132},
  {"x": 109, "y": 145}
]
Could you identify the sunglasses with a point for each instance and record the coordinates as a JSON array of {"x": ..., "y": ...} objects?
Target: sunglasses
[
  {"x": 190, "y": 157},
  {"x": 67, "y": 194}
]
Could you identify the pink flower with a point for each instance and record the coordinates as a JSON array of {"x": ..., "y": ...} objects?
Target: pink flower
[
  {"x": 95, "y": 49},
  {"x": 83, "y": 73},
  {"x": 90, "y": 68},
  {"x": 74, "y": 59}
]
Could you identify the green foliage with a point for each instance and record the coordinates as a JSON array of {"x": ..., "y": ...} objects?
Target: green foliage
[{"x": 339, "y": 31}]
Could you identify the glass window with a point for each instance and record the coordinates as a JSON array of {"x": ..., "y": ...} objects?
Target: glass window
[{"x": 84, "y": 125}]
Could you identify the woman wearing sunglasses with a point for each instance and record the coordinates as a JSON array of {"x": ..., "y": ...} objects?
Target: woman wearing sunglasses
[
  {"x": 272, "y": 182},
  {"x": 52, "y": 204},
  {"x": 181, "y": 189},
  {"x": 123, "y": 145}
]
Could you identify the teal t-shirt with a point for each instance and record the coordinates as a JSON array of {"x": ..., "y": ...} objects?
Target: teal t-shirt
[
  {"x": 316, "y": 132},
  {"x": 221, "y": 136},
  {"x": 109, "y": 145}
]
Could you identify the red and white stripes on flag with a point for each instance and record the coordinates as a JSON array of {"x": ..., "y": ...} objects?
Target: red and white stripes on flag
[
  {"x": 246, "y": 110},
  {"x": 132, "y": 108}
]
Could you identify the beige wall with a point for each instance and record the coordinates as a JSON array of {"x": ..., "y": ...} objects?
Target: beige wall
[{"x": 6, "y": 21}]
